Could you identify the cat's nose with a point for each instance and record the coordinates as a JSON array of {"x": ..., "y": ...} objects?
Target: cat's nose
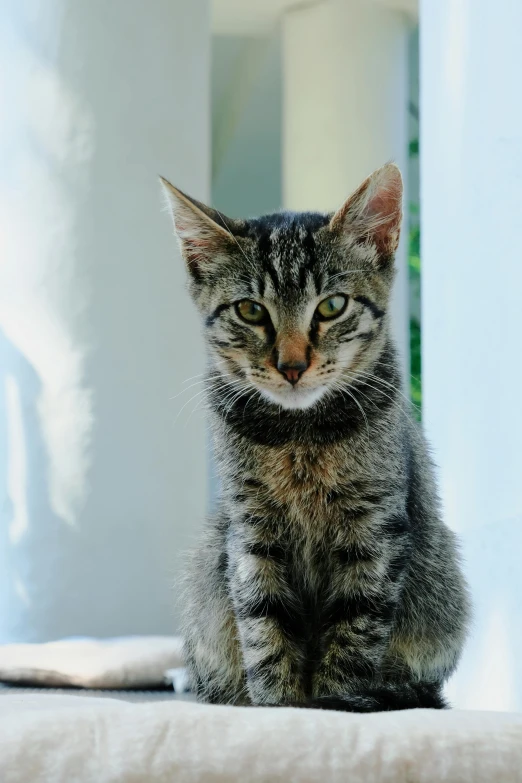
[{"x": 292, "y": 370}]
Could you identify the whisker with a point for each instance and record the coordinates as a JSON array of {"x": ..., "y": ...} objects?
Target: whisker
[
  {"x": 201, "y": 402},
  {"x": 196, "y": 383},
  {"x": 372, "y": 402},
  {"x": 231, "y": 393},
  {"x": 233, "y": 401},
  {"x": 376, "y": 378},
  {"x": 202, "y": 391},
  {"x": 397, "y": 402},
  {"x": 199, "y": 374},
  {"x": 224, "y": 384},
  {"x": 255, "y": 392},
  {"x": 392, "y": 366},
  {"x": 345, "y": 390}
]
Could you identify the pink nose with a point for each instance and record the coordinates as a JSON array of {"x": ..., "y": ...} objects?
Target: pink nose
[{"x": 292, "y": 370}]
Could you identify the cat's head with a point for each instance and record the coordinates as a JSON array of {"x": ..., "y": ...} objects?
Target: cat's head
[{"x": 294, "y": 304}]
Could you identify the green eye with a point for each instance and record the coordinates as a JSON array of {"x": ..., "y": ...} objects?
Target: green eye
[
  {"x": 332, "y": 307},
  {"x": 251, "y": 312}
]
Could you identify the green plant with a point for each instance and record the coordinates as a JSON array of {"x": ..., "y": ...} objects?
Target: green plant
[
  {"x": 414, "y": 267},
  {"x": 414, "y": 270}
]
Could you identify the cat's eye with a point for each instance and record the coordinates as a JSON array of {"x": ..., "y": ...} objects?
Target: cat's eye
[
  {"x": 251, "y": 312},
  {"x": 332, "y": 307}
]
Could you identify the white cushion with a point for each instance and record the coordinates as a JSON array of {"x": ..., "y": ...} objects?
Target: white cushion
[
  {"x": 127, "y": 662},
  {"x": 59, "y": 739}
]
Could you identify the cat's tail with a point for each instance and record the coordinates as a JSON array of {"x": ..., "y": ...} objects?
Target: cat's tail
[{"x": 384, "y": 698}]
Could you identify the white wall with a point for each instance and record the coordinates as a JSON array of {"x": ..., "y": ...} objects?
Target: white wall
[
  {"x": 99, "y": 489},
  {"x": 247, "y": 177},
  {"x": 471, "y": 180}
]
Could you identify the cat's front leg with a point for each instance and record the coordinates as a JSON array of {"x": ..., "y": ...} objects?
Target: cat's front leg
[
  {"x": 268, "y": 615},
  {"x": 358, "y": 618}
]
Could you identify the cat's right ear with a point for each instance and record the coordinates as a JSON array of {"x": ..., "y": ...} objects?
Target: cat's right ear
[{"x": 203, "y": 233}]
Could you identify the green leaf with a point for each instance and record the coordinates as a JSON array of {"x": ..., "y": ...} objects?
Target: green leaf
[
  {"x": 415, "y": 366},
  {"x": 413, "y": 148},
  {"x": 414, "y": 241},
  {"x": 415, "y": 264}
]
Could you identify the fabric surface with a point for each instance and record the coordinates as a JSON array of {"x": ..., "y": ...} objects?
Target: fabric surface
[
  {"x": 61, "y": 739},
  {"x": 127, "y": 662},
  {"x": 129, "y": 694}
]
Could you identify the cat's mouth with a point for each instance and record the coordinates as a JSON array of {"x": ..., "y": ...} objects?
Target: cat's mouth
[{"x": 293, "y": 397}]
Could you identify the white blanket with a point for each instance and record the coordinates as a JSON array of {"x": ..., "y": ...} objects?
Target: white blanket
[
  {"x": 55, "y": 739},
  {"x": 126, "y": 662}
]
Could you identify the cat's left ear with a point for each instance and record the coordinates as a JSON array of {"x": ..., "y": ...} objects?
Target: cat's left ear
[
  {"x": 374, "y": 212},
  {"x": 204, "y": 235}
]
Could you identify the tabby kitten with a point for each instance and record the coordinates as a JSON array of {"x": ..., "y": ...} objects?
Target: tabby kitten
[{"x": 326, "y": 577}]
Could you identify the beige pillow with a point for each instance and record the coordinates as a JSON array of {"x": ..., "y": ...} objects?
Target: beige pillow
[{"x": 126, "y": 662}]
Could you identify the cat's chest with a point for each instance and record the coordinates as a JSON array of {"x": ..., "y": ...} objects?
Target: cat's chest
[{"x": 304, "y": 481}]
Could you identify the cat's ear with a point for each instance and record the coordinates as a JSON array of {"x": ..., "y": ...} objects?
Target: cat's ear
[
  {"x": 374, "y": 212},
  {"x": 203, "y": 233}
]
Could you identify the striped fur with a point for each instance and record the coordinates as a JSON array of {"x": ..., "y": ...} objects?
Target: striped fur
[{"x": 326, "y": 576}]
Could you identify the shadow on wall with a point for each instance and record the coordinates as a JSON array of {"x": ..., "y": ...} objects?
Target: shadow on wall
[
  {"x": 92, "y": 299},
  {"x": 28, "y": 522}
]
